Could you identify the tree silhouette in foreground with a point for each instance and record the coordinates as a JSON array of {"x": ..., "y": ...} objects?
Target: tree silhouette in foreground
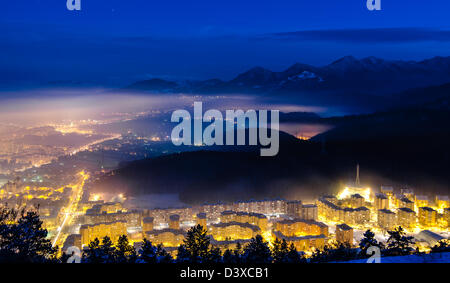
[
  {"x": 100, "y": 253},
  {"x": 335, "y": 252},
  {"x": 257, "y": 251},
  {"x": 398, "y": 243},
  {"x": 23, "y": 239},
  {"x": 197, "y": 248},
  {"x": 162, "y": 255},
  {"x": 231, "y": 256},
  {"x": 147, "y": 254},
  {"x": 125, "y": 253},
  {"x": 368, "y": 241},
  {"x": 441, "y": 246}
]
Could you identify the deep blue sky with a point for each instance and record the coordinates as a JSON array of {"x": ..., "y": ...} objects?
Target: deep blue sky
[{"x": 116, "y": 42}]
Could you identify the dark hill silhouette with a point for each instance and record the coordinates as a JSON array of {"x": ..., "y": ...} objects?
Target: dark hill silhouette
[{"x": 306, "y": 168}]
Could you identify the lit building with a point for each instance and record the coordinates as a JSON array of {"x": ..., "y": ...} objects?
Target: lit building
[
  {"x": 268, "y": 207},
  {"x": 333, "y": 212},
  {"x": 302, "y": 243},
  {"x": 214, "y": 210},
  {"x": 174, "y": 222},
  {"x": 147, "y": 224},
  {"x": 233, "y": 231},
  {"x": 167, "y": 237},
  {"x": 447, "y": 216},
  {"x": 110, "y": 207},
  {"x": 381, "y": 201},
  {"x": 344, "y": 234},
  {"x": 356, "y": 200},
  {"x": 406, "y": 217},
  {"x": 361, "y": 215},
  {"x": 111, "y": 229},
  {"x": 409, "y": 193},
  {"x": 201, "y": 220},
  {"x": 162, "y": 215},
  {"x": 427, "y": 217},
  {"x": 387, "y": 191},
  {"x": 132, "y": 218},
  {"x": 421, "y": 201},
  {"x": 353, "y": 190},
  {"x": 328, "y": 210},
  {"x": 386, "y": 219},
  {"x": 257, "y": 219},
  {"x": 294, "y": 208},
  {"x": 301, "y": 227},
  {"x": 330, "y": 198},
  {"x": 309, "y": 212},
  {"x": 405, "y": 202},
  {"x": 442, "y": 202}
]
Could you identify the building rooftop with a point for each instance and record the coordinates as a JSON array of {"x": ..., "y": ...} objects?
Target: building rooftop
[
  {"x": 387, "y": 211},
  {"x": 357, "y": 196},
  {"x": 381, "y": 196},
  {"x": 405, "y": 209},
  {"x": 344, "y": 227},
  {"x": 406, "y": 200},
  {"x": 362, "y": 208},
  {"x": 201, "y": 215},
  {"x": 430, "y": 237},
  {"x": 426, "y": 208},
  {"x": 148, "y": 220},
  {"x": 310, "y": 205},
  {"x": 174, "y": 217}
]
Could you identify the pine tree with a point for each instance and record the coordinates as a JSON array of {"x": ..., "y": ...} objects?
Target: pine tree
[
  {"x": 107, "y": 250},
  {"x": 334, "y": 252},
  {"x": 215, "y": 255},
  {"x": 183, "y": 256},
  {"x": 93, "y": 254},
  {"x": 197, "y": 244},
  {"x": 293, "y": 256},
  {"x": 229, "y": 257},
  {"x": 147, "y": 254},
  {"x": 124, "y": 253},
  {"x": 398, "y": 243},
  {"x": 280, "y": 251},
  {"x": 257, "y": 251},
  {"x": 441, "y": 246},
  {"x": 238, "y": 252},
  {"x": 162, "y": 255},
  {"x": 24, "y": 240},
  {"x": 367, "y": 242}
]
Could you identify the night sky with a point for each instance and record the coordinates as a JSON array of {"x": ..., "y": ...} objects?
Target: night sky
[{"x": 116, "y": 42}]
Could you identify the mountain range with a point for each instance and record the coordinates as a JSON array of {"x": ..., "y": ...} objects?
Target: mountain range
[{"x": 347, "y": 75}]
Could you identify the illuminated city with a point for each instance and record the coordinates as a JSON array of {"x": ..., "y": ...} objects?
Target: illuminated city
[{"x": 225, "y": 139}]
